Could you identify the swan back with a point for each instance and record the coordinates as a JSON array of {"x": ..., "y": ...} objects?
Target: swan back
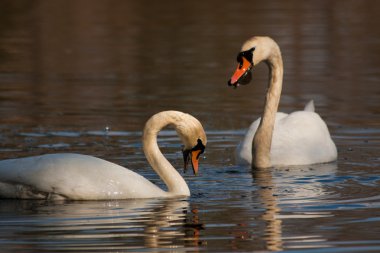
[
  {"x": 299, "y": 138},
  {"x": 72, "y": 176}
]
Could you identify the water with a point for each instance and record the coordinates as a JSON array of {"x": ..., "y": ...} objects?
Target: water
[{"x": 84, "y": 76}]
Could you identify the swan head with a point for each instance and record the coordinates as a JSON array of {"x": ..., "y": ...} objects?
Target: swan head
[
  {"x": 253, "y": 51},
  {"x": 188, "y": 128},
  {"x": 192, "y": 156},
  {"x": 194, "y": 139}
]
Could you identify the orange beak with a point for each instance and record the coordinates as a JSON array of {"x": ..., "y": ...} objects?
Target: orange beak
[
  {"x": 241, "y": 70},
  {"x": 195, "y": 160},
  {"x": 193, "y": 156}
]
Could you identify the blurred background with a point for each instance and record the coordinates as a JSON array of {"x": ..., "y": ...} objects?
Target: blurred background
[{"x": 73, "y": 65}]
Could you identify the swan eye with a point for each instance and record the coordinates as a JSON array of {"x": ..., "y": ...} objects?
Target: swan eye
[
  {"x": 240, "y": 61},
  {"x": 248, "y": 54}
]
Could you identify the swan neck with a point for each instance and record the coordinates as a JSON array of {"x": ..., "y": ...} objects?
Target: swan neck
[
  {"x": 263, "y": 138},
  {"x": 173, "y": 180}
]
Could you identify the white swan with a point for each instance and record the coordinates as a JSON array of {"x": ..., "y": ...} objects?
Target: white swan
[
  {"x": 276, "y": 138},
  {"x": 82, "y": 177}
]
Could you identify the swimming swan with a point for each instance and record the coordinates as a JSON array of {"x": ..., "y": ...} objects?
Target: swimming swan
[
  {"x": 276, "y": 139},
  {"x": 83, "y": 177}
]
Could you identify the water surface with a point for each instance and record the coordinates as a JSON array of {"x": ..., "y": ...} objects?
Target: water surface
[{"x": 84, "y": 76}]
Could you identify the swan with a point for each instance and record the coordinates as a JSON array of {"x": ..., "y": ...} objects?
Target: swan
[
  {"x": 276, "y": 138},
  {"x": 83, "y": 177}
]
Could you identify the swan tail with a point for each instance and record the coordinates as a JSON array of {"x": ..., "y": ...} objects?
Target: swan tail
[{"x": 309, "y": 107}]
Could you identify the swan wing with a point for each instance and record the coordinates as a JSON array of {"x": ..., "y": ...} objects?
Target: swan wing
[
  {"x": 301, "y": 138},
  {"x": 72, "y": 176}
]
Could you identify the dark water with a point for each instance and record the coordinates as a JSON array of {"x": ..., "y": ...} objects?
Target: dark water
[{"x": 69, "y": 70}]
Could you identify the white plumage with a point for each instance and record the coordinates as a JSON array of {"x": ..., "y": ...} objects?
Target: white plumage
[
  {"x": 299, "y": 138},
  {"x": 277, "y": 138},
  {"x": 83, "y": 177}
]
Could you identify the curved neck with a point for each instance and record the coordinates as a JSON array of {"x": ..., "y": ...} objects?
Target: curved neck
[
  {"x": 263, "y": 138},
  {"x": 174, "y": 181}
]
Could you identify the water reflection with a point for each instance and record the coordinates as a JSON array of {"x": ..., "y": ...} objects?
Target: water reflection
[
  {"x": 290, "y": 186},
  {"x": 267, "y": 194},
  {"x": 98, "y": 225},
  {"x": 305, "y": 183}
]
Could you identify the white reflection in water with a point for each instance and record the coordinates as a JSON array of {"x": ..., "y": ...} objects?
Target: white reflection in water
[
  {"x": 284, "y": 182},
  {"x": 99, "y": 225}
]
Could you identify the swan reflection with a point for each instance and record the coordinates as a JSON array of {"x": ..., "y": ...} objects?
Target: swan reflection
[
  {"x": 288, "y": 186},
  {"x": 124, "y": 225}
]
